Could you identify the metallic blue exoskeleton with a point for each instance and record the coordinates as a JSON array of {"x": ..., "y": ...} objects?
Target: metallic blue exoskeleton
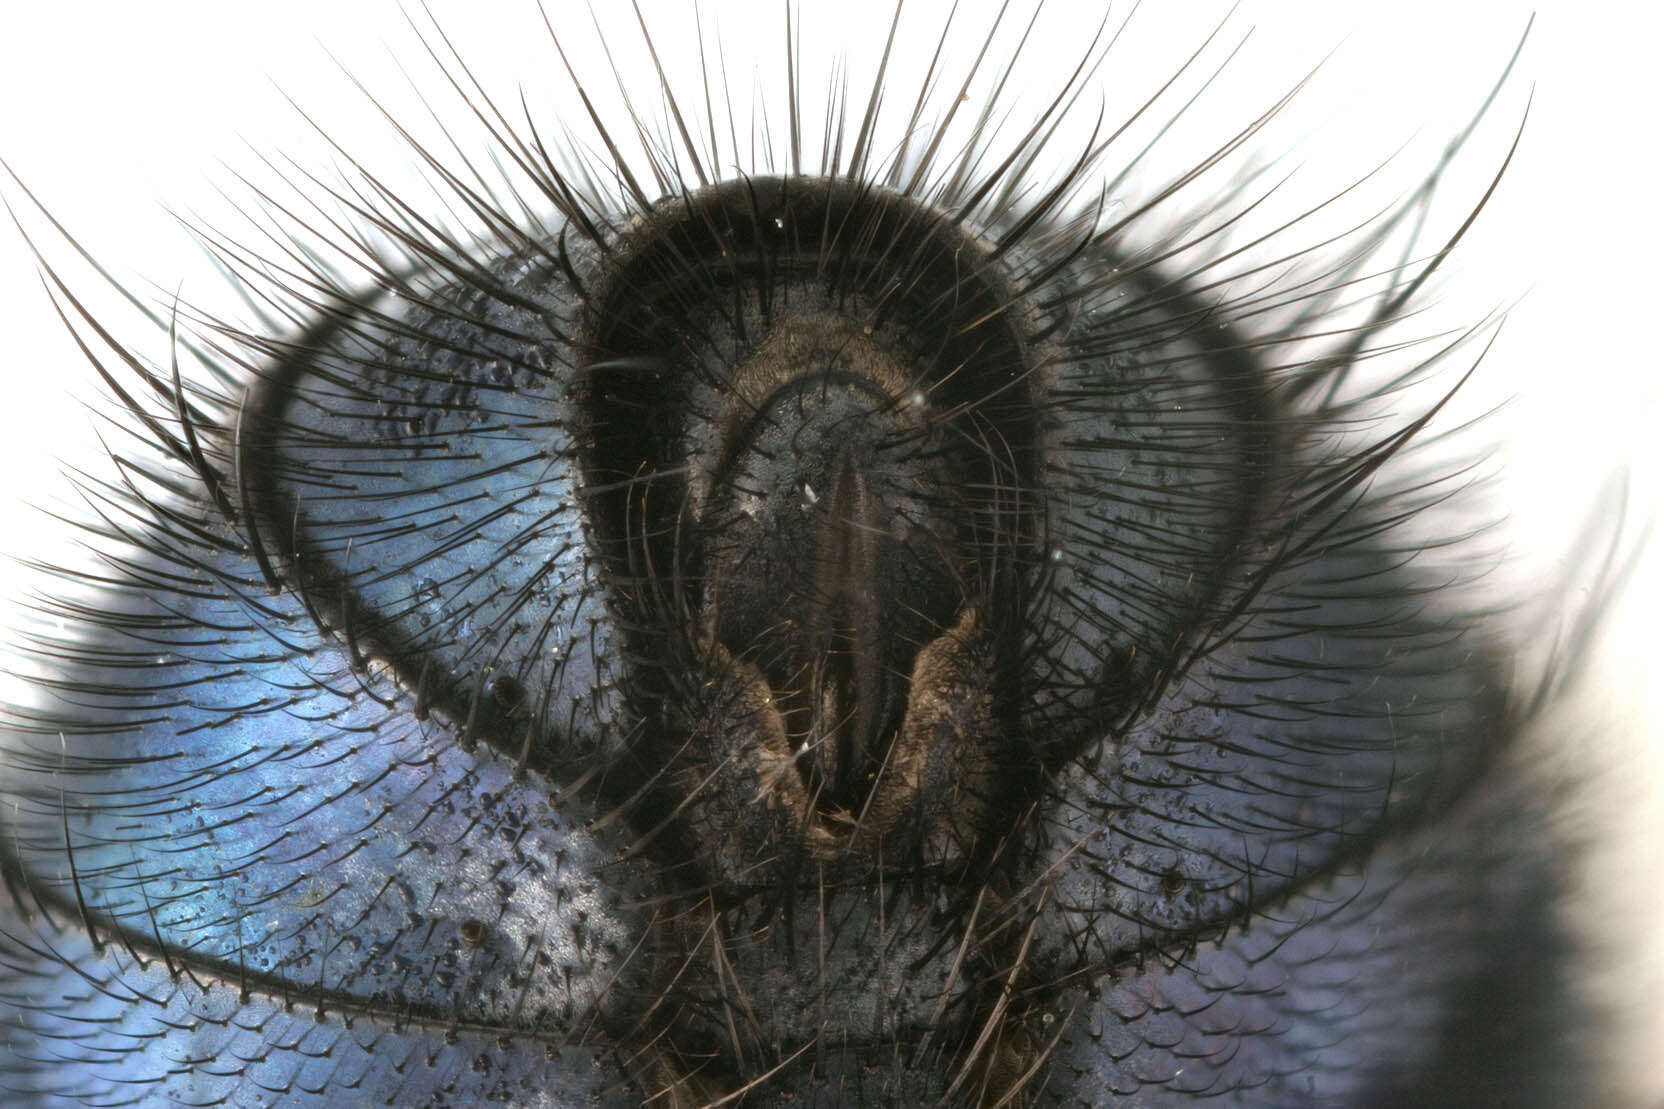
[{"x": 886, "y": 633}]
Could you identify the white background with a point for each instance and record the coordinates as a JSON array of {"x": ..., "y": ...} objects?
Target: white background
[{"x": 113, "y": 111}]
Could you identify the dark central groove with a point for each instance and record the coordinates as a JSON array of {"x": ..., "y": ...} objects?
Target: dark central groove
[{"x": 810, "y": 442}]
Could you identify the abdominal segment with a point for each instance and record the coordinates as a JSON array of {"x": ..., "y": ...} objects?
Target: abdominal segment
[{"x": 815, "y": 638}]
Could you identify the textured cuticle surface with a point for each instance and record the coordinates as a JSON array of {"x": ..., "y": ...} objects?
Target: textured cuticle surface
[{"x": 904, "y": 630}]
